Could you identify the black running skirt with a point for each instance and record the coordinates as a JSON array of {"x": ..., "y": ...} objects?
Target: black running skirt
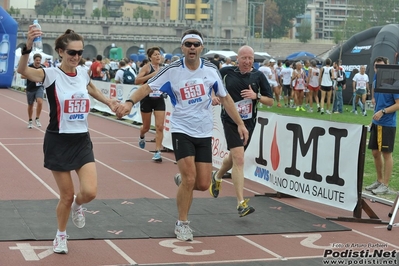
[{"x": 67, "y": 152}]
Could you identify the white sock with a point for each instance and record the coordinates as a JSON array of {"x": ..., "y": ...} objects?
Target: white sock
[
  {"x": 61, "y": 233},
  {"x": 75, "y": 206}
]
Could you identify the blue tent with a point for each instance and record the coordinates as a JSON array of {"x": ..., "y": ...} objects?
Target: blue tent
[
  {"x": 134, "y": 57},
  {"x": 168, "y": 56},
  {"x": 299, "y": 54},
  {"x": 8, "y": 43}
]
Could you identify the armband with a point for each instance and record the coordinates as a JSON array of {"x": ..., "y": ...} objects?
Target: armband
[
  {"x": 130, "y": 101},
  {"x": 25, "y": 50}
]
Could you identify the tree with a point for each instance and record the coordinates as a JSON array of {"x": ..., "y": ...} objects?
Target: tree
[
  {"x": 60, "y": 11},
  {"x": 47, "y": 6},
  {"x": 140, "y": 12},
  {"x": 338, "y": 35},
  {"x": 270, "y": 16},
  {"x": 14, "y": 11},
  {"x": 97, "y": 13},
  {"x": 305, "y": 31},
  {"x": 370, "y": 13},
  {"x": 288, "y": 10}
]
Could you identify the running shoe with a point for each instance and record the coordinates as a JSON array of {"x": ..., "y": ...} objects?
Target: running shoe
[
  {"x": 365, "y": 113},
  {"x": 215, "y": 186},
  {"x": 244, "y": 209},
  {"x": 78, "y": 217},
  {"x": 318, "y": 109},
  {"x": 142, "y": 142},
  {"x": 183, "y": 231},
  {"x": 157, "y": 157},
  {"x": 322, "y": 111},
  {"x": 375, "y": 185},
  {"x": 382, "y": 189},
  {"x": 328, "y": 112},
  {"x": 60, "y": 244},
  {"x": 297, "y": 109},
  {"x": 177, "y": 179},
  {"x": 30, "y": 124},
  {"x": 38, "y": 122},
  {"x": 303, "y": 109}
]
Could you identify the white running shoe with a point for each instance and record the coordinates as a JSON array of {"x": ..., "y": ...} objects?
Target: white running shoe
[
  {"x": 177, "y": 179},
  {"x": 60, "y": 244},
  {"x": 30, "y": 124},
  {"x": 183, "y": 231},
  {"x": 78, "y": 217},
  {"x": 38, "y": 123}
]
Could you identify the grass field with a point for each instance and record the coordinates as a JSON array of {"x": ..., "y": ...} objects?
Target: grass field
[{"x": 348, "y": 117}]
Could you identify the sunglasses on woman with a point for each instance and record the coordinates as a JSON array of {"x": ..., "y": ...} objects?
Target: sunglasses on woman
[
  {"x": 74, "y": 52},
  {"x": 189, "y": 44}
]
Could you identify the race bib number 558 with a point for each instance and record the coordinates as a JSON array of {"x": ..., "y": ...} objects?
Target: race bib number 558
[{"x": 76, "y": 109}]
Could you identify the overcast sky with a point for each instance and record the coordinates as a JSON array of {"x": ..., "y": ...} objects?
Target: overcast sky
[{"x": 22, "y": 3}]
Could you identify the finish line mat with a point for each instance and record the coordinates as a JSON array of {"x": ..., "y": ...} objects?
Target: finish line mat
[{"x": 155, "y": 218}]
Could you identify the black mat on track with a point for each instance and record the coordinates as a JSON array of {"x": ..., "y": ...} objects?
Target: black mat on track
[{"x": 155, "y": 218}]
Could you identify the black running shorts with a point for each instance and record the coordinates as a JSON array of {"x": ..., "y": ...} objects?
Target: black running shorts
[{"x": 184, "y": 146}]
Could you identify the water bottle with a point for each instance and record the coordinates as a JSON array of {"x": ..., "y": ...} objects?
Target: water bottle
[
  {"x": 37, "y": 42},
  {"x": 4, "y": 52}
]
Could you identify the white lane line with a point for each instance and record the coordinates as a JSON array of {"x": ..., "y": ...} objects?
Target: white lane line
[
  {"x": 133, "y": 180},
  {"x": 31, "y": 172},
  {"x": 376, "y": 239},
  {"x": 120, "y": 252},
  {"x": 261, "y": 248}
]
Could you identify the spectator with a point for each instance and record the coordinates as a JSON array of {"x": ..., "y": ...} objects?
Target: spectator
[
  {"x": 360, "y": 86},
  {"x": 382, "y": 134},
  {"x": 286, "y": 74},
  {"x": 95, "y": 69},
  {"x": 313, "y": 85},
  {"x": 227, "y": 62},
  {"x": 340, "y": 85},
  {"x": 326, "y": 82},
  {"x": 216, "y": 61}
]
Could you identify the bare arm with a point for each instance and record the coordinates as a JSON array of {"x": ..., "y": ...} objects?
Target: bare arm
[
  {"x": 143, "y": 75},
  {"x": 96, "y": 94},
  {"x": 33, "y": 74},
  {"x": 125, "y": 108}
]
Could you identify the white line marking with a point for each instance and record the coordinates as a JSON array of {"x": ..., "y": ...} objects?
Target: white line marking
[
  {"x": 31, "y": 172},
  {"x": 133, "y": 180},
  {"x": 374, "y": 238},
  {"x": 261, "y": 248},
  {"x": 120, "y": 252}
]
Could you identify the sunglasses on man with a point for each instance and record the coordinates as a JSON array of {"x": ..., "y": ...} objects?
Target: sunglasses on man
[{"x": 189, "y": 44}]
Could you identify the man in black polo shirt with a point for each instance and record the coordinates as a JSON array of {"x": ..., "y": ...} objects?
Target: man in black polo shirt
[{"x": 247, "y": 86}]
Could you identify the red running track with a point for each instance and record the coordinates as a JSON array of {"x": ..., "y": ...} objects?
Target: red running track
[{"x": 126, "y": 171}]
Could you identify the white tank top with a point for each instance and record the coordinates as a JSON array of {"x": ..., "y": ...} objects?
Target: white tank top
[
  {"x": 314, "y": 79},
  {"x": 326, "y": 78}
]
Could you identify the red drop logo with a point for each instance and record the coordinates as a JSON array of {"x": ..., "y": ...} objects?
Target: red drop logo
[{"x": 274, "y": 152}]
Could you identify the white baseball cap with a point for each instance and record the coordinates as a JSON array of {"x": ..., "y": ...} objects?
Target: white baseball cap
[{"x": 272, "y": 61}]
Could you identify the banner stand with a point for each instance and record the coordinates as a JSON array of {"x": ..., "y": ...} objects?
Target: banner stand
[
  {"x": 361, "y": 203},
  {"x": 276, "y": 195}
]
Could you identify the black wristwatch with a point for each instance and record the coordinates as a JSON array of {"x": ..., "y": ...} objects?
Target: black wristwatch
[
  {"x": 129, "y": 101},
  {"x": 25, "y": 50},
  {"x": 383, "y": 111},
  {"x": 258, "y": 97}
]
